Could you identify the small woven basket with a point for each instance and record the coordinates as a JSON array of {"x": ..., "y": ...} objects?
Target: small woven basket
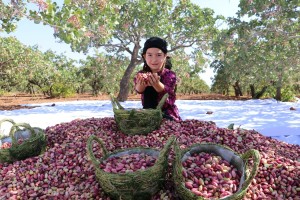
[
  {"x": 33, "y": 142},
  {"x": 141, "y": 184},
  {"x": 137, "y": 121},
  {"x": 238, "y": 161},
  {"x": 5, "y": 155}
]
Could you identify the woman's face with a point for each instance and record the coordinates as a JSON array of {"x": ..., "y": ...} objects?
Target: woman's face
[{"x": 155, "y": 59}]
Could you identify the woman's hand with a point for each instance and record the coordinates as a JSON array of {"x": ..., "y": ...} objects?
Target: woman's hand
[
  {"x": 140, "y": 80},
  {"x": 149, "y": 79},
  {"x": 153, "y": 79},
  {"x": 141, "y": 83}
]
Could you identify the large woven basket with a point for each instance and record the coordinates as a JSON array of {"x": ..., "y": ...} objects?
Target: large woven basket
[
  {"x": 141, "y": 184},
  {"x": 33, "y": 142},
  {"x": 137, "y": 121},
  {"x": 238, "y": 161}
]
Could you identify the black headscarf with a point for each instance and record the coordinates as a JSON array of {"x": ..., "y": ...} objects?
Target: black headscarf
[{"x": 155, "y": 42}]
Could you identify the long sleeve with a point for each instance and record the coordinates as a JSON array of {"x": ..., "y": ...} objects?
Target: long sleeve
[{"x": 169, "y": 79}]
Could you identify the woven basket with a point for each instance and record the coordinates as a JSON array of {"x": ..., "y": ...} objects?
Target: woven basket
[
  {"x": 141, "y": 184},
  {"x": 34, "y": 142},
  {"x": 137, "y": 121},
  {"x": 238, "y": 161},
  {"x": 5, "y": 155}
]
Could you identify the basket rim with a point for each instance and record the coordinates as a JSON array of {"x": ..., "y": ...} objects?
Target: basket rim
[{"x": 178, "y": 167}]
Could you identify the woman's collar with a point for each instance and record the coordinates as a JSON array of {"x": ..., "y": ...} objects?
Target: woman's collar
[{"x": 161, "y": 72}]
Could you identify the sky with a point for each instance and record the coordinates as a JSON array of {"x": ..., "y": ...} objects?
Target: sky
[
  {"x": 31, "y": 34},
  {"x": 269, "y": 117}
]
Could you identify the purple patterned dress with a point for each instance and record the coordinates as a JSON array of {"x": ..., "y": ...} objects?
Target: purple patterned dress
[{"x": 168, "y": 78}]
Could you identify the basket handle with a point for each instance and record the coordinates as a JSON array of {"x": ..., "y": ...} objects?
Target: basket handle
[
  {"x": 16, "y": 127},
  {"x": 177, "y": 161},
  {"x": 90, "y": 149},
  {"x": 6, "y": 120},
  {"x": 162, "y": 101},
  {"x": 131, "y": 114},
  {"x": 163, "y": 153},
  {"x": 115, "y": 103},
  {"x": 256, "y": 156}
]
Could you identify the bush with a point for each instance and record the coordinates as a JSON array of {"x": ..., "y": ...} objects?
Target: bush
[
  {"x": 60, "y": 90},
  {"x": 287, "y": 94},
  {"x": 192, "y": 86}
]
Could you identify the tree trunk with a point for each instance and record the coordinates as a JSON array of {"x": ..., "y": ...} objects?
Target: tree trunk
[
  {"x": 257, "y": 95},
  {"x": 124, "y": 84},
  {"x": 50, "y": 93},
  {"x": 237, "y": 89},
  {"x": 252, "y": 90},
  {"x": 33, "y": 82},
  {"x": 278, "y": 93},
  {"x": 30, "y": 89},
  {"x": 278, "y": 88}
]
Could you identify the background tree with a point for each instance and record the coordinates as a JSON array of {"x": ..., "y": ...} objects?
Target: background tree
[
  {"x": 27, "y": 69},
  {"x": 14, "y": 59},
  {"x": 222, "y": 80},
  {"x": 62, "y": 81},
  {"x": 262, "y": 50},
  {"x": 50, "y": 74},
  {"x": 102, "y": 73},
  {"x": 187, "y": 72}
]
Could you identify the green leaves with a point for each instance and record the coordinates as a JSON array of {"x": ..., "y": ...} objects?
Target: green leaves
[
  {"x": 261, "y": 51},
  {"x": 24, "y": 68},
  {"x": 10, "y": 14},
  {"x": 101, "y": 74},
  {"x": 67, "y": 2}
]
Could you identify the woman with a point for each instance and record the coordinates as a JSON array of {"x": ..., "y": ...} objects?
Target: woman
[{"x": 157, "y": 78}]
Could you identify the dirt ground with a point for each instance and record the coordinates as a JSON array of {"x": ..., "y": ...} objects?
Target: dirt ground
[{"x": 17, "y": 101}]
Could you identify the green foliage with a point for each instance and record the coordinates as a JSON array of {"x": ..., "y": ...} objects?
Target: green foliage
[
  {"x": 10, "y": 14},
  {"x": 2, "y": 92},
  {"x": 262, "y": 51},
  {"x": 223, "y": 79},
  {"x": 26, "y": 69},
  {"x": 270, "y": 92},
  {"x": 103, "y": 73},
  {"x": 193, "y": 85},
  {"x": 188, "y": 73},
  {"x": 61, "y": 90},
  {"x": 61, "y": 81},
  {"x": 15, "y": 59},
  {"x": 288, "y": 94}
]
